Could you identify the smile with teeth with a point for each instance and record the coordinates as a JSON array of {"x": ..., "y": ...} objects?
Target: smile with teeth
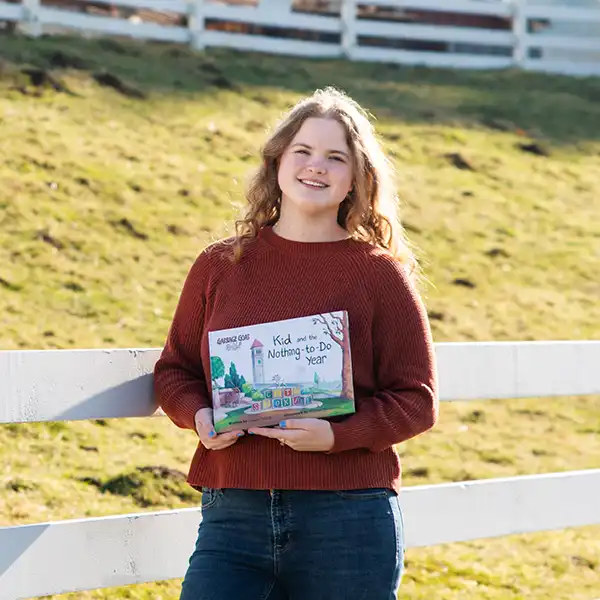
[{"x": 312, "y": 183}]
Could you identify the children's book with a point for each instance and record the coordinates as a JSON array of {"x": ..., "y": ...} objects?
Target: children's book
[{"x": 264, "y": 373}]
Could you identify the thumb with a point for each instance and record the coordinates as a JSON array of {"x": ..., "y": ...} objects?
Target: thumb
[
  {"x": 204, "y": 415},
  {"x": 204, "y": 424}
]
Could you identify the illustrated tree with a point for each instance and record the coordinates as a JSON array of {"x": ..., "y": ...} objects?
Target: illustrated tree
[
  {"x": 217, "y": 369},
  {"x": 233, "y": 379},
  {"x": 336, "y": 328}
]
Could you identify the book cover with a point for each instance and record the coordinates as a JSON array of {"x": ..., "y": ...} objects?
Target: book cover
[{"x": 264, "y": 373}]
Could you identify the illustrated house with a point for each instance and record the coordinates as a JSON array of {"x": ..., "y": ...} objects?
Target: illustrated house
[{"x": 229, "y": 398}]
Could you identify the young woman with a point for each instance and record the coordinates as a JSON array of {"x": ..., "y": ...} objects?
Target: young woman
[{"x": 307, "y": 510}]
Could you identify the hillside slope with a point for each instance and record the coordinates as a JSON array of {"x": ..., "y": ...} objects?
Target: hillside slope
[{"x": 120, "y": 161}]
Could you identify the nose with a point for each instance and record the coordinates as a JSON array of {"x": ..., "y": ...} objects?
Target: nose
[{"x": 316, "y": 165}]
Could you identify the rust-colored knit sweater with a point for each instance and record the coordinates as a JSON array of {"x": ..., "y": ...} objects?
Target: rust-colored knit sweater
[{"x": 393, "y": 361}]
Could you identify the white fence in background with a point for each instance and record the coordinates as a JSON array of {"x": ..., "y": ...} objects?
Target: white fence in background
[
  {"x": 561, "y": 36},
  {"x": 63, "y": 385}
]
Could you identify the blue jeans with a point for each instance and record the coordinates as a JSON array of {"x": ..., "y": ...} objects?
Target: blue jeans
[{"x": 297, "y": 545}]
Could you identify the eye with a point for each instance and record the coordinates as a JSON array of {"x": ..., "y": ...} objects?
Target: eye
[
  {"x": 338, "y": 158},
  {"x": 301, "y": 151}
]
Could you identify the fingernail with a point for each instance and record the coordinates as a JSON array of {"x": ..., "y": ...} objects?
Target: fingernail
[
  {"x": 240, "y": 434},
  {"x": 251, "y": 433},
  {"x": 282, "y": 424},
  {"x": 212, "y": 434}
]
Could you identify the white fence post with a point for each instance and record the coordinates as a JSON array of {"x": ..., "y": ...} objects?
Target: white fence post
[
  {"x": 348, "y": 17},
  {"x": 196, "y": 24},
  {"x": 31, "y": 24},
  {"x": 519, "y": 27}
]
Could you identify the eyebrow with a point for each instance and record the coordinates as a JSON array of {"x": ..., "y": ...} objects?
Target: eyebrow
[{"x": 311, "y": 148}]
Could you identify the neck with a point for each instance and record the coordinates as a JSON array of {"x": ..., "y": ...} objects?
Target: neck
[{"x": 302, "y": 228}]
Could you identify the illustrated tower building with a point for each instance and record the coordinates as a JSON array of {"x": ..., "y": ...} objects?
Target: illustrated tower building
[{"x": 258, "y": 368}]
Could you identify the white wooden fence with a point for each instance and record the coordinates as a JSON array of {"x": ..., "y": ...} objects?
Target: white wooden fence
[
  {"x": 542, "y": 35},
  {"x": 62, "y": 385}
]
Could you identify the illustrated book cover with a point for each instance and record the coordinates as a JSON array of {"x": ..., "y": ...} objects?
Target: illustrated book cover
[{"x": 262, "y": 374}]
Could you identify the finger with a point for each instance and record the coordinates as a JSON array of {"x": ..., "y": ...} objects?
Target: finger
[
  {"x": 223, "y": 445},
  {"x": 305, "y": 424},
  {"x": 211, "y": 435},
  {"x": 222, "y": 440},
  {"x": 230, "y": 435},
  {"x": 204, "y": 422},
  {"x": 226, "y": 437},
  {"x": 266, "y": 432},
  {"x": 278, "y": 434},
  {"x": 205, "y": 429},
  {"x": 204, "y": 416}
]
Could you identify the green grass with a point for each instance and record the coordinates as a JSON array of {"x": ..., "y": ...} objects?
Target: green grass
[
  {"x": 106, "y": 199},
  {"x": 335, "y": 406}
]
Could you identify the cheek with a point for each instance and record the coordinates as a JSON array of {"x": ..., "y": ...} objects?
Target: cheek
[
  {"x": 344, "y": 177},
  {"x": 288, "y": 167},
  {"x": 283, "y": 171}
]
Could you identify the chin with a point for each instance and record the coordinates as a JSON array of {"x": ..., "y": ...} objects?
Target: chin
[
  {"x": 309, "y": 204},
  {"x": 314, "y": 209}
]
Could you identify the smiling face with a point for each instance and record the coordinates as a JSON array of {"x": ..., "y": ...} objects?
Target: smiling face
[{"x": 315, "y": 172}]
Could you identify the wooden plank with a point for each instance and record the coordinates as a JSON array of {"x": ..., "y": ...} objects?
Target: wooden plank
[
  {"x": 556, "y": 369},
  {"x": 470, "y": 371},
  {"x": 248, "y": 14},
  {"x": 435, "y": 33},
  {"x": 11, "y": 12},
  {"x": 501, "y": 8},
  {"x": 63, "y": 556},
  {"x": 113, "y": 26},
  {"x": 458, "y": 512},
  {"x": 64, "y": 385},
  {"x": 561, "y": 13},
  {"x": 584, "y": 43},
  {"x": 281, "y": 46},
  {"x": 564, "y": 67},
  {"x": 282, "y": 7},
  {"x": 172, "y": 6},
  {"x": 430, "y": 59},
  {"x": 122, "y": 550}
]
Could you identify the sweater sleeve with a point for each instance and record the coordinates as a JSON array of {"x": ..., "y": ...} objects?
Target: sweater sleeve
[
  {"x": 179, "y": 380},
  {"x": 405, "y": 403}
]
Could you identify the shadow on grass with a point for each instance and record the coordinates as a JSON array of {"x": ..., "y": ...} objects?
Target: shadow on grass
[{"x": 560, "y": 109}]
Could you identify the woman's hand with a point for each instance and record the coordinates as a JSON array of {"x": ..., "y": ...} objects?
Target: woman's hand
[
  {"x": 207, "y": 434},
  {"x": 304, "y": 435}
]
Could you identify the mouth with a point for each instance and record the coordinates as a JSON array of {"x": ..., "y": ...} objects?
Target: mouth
[{"x": 313, "y": 184}]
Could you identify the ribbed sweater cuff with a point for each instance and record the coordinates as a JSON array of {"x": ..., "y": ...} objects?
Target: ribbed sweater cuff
[
  {"x": 186, "y": 410},
  {"x": 347, "y": 438}
]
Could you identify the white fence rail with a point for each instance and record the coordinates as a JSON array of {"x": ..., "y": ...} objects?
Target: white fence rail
[
  {"x": 549, "y": 36},
  {"x": 61, "y": 385},
  {"x": 64, "y": 385}
]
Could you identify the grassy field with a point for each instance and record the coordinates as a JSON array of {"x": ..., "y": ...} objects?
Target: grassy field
[{"x": 120, "y": 161}]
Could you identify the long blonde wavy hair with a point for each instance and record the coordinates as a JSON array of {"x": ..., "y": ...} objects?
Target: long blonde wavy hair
[{"x": 368, "y": 213}]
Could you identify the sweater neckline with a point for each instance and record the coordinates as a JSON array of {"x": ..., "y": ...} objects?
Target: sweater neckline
[{"x": 274, "y": 240}]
